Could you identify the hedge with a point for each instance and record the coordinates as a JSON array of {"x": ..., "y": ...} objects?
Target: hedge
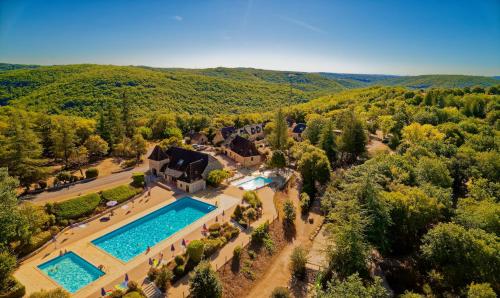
[
  {"x": 120, "y": 193},
  {"x": 138, "y": 179},
  {"x": 77, "y": 207}
]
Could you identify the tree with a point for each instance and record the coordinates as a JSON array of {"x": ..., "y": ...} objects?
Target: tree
[
  {"x": 314, "y": 167},
  {"x": 163, "y": 279},
  {"x": 305, "y": 202},
  {"x": 79, "y": 157},
  {"x": 35, "y": 217},
  {"x": 462, "y": 256},
  {"x": 278, "y": 160},
  {"x": 7, "y": 266},
  {"x": 128, "y": 124},
  {"x": 354, "y": 287},
  {"x": 64, "y": 140},
  {"x": 483, "y": 290},
  {"x": 353, "y": 140},
  {"x": 279, "y": 135},
  {"x": 216, "y": 177},
  {"x": 281, "y": 292},
  {"x": 314, "y": 127},
  {"x": 289, "y": 212},
  {"x": 55, "y": 293},
  {"x": 12, "y": 225},
  {"x": 386, "y": 124},
  {"x": 195, "y": 251},
  {"x": 21, "y": 151},
  {"x": 433, "y": 171},
  {"x": 204, "y": 282},
  {"x": 483, "y": 214},
  {"x": 298, "y": 260},
  {"x": 96, "y": 146},
  {"x": 327, "y": 142},
  {"x": 138, "y": 146}
]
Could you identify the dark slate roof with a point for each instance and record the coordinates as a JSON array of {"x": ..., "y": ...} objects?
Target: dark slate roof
[
  {"x": 243, "y": 147},
  {"x": 157, "y": 154},
  {"x": 299, "y": 128},
  {"x": 227, "y": 131},
  {"x": 191, "y": 163},
  {"x": 195, "y": 135}
]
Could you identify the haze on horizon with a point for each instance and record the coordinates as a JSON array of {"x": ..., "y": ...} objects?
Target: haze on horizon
[{"x": 383, "y": 37}]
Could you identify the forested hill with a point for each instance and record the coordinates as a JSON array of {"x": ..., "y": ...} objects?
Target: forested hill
[{"x": 82, "y": 89}]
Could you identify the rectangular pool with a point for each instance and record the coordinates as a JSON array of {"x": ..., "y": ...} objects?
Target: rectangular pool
[
  {"x": 133, "y": 239},
  {"x": 71, "y": 271},
  {"x": 254, "y": 183}
]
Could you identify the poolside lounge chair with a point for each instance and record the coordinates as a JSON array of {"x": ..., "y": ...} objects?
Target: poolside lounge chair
[{"x": 122, "y": 286}]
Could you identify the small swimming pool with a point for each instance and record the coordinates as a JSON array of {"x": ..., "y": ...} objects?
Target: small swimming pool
[
  {"x": 134, "y": 238},
  {"x": 71, "y": 271},
  {"x": 255, "y": 183}
]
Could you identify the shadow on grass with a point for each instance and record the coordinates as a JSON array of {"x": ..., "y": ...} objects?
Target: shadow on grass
[{"x": 289, "y": 230}]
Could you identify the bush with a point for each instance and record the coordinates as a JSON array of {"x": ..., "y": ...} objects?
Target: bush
[
  {"x": 179, "y": 271},
  {"x": 195, "y": 250},
  {"x": 237, "y": 252},
  {"x": 138, "y": 179},
  {"x": 250, "y": 214},
  {"x": 237, "y": 214},
  {"x": 120, "y": 193},
  {"x": 77, "y": 207},
  {"x": 483, "y": 290},
  {"x": 204, "y": 282},
  {"x": 134, "y": 294},
  {"x": 211, "y": 246},
  {"x": 305, "y": 202},
  {"x": 179, "y": 260},
  {"x": 280, "y": 292},
  {"x": 64, "y": 176},
  {"x": 260, "y": 233},
  {"x": 91, "y": 173},
  {"x": 289, "y": 211},
  {"x": 55, "y": 293},
  {"x": 298, "y": 261},
  {"x": 214, "y": 227},
  {"x": 153, "y": 273},
  {"x": 36, "y": 241},
  {"x": 133, "y": 286},
  {"x": 42, "y": 184},
  {"x": 216, "y": 177},
  {"x": 252, "y": 199},
  {"x": 7, "y": 266},
  {"x": 129, "y": 163},
  {"x": 163, "y": 279}
]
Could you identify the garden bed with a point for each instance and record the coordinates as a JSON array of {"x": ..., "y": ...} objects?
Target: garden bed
[{"x": 238, "y": 277}]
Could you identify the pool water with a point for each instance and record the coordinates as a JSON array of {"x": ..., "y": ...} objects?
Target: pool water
[
  {"x": 255, "y": 183},
  {"x": 71, "y": 271},
  {"x": 133, "y": 239}
]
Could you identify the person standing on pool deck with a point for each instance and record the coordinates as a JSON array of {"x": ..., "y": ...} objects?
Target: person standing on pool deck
[{"x": 148, "y": 249}]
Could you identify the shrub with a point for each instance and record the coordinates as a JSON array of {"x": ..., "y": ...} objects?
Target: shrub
[
  {"x": 36, "y": 241},
  {"x": 7, "y": 266},
  {"x": 289, "y": 211},
  {"x": 64, "y": 176},
  {"x": 153, "y": 273},
  {"x": 55, "y": 293},
  {"x": 269, "y": 245},
  {"x": 260, "y": 233},
  {"x": 252, "y": 199},
  {"x": 138, "y": 179},
  {"x": 483, "y": 290},
  {"x": 163, "y": 279},
  {"x": 216, "y": 177},
  {"x": 195, "y": 250},
  {"x": 42, "y": 184},
  {"x": 77, "y": 207},
  {"x": 91, "y": 173},
  {"x": 211, "y": 246},
  {"x": 179, "y": 260},
  {"x": 204, "y": 282},
  {"x": 298, "y": 261},
  {"x": 179, "y": 271},
  {"x": 237, "y": 252},
  {"x": 129, "y": 163},
  {"x": 250, "y": 214},
  {"x": 237, "y": 214},
  {"x": 120, "y": 193},
  {"x": 134, "y": 294},
  {"x": 280, "y": 292},
  {"x": 14, "y": 289},
  {"x": 305, "y": 202},
  {"x": 133, "y": 286},
  {"x": 214, "y": 227}
]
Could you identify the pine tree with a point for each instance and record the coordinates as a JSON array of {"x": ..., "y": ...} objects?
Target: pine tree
[
  {"x": 279, "y": 136},
  {"x": 327, "y": 142}
]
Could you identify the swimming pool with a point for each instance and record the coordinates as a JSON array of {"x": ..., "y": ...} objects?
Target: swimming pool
[
  {"x": 71, "y": 271},
  {"x": 134, "y": 238},
  {"x": 255, "y": 183}
]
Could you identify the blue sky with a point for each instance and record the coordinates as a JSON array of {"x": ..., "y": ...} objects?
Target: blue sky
[{"x": 356, "y": 36}]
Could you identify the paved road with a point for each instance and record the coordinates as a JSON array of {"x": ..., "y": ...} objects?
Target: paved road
[{"x": 92, "y": 186}]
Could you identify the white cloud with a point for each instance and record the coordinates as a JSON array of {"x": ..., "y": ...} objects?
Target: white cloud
[
  {"x": 178, "y": 18},
  {"x": 302, "y": 24}
]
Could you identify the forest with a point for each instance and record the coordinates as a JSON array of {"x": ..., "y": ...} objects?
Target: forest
[{"x": 425, "y": 211}]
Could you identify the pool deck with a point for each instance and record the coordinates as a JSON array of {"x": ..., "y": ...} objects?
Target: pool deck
[{"x": 79, "y": 239}]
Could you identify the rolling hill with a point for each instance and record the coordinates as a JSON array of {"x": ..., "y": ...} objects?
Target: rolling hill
[{"x": 81, "y": 89}]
